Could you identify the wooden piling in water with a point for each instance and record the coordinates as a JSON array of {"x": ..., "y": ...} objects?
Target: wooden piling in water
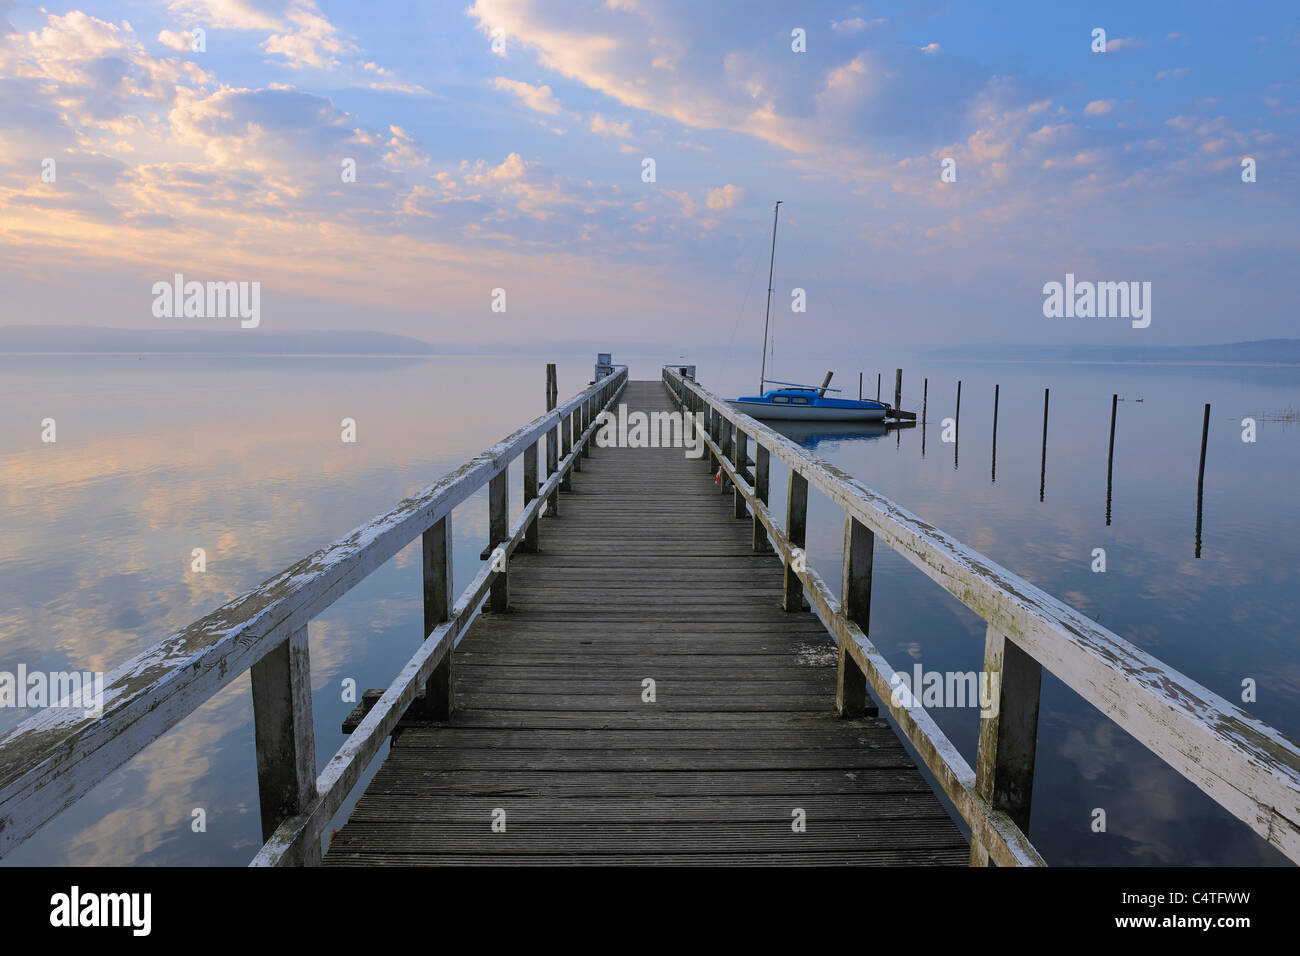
[
  {"x": 1042, "y": 469},
  {"x": 996, "y": 390},
  {"x": 898, "y": 389},
  {"x": 1200, "y": 476},
  {"x": 1110, "y": 454},
  {"x": 877, "y": 386}
]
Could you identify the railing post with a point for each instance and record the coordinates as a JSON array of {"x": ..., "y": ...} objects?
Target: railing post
[
  {"x": 724, "y": 446},
  {"x": 498, "y": 532},
  {"x": 855, "y": 604},
  {"x": 575, "y": 426},
  {"x": 762, "y": 470},
  {"x": 285, "y": 739},
  {"x": 435, "y": 544},
  {"x": 1004, "y": 764},
  {"x": 552, "y": 442},
  {"x": 587, "y": 416},
  {"x": 740, "y": 452},
  {"x": 566, "y": 446},
  {"x": 709, "y": 429},
  {"x": 531, "y": 541},
  {"x": 796, "y": 530}
]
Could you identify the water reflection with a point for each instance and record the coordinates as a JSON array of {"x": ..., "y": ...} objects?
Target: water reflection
[{"x": 811, "y": 434}]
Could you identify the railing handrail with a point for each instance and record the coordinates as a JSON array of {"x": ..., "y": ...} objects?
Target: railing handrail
[
  {"x": 1246, "y": 766},
  {"x": 54, "y": 757}
]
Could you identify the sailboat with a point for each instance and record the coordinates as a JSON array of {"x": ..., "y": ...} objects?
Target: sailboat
[{"x": 792, "y": 402}]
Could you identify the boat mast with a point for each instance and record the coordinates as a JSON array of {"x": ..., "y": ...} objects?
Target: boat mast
[{"x": 767, "y": 311}]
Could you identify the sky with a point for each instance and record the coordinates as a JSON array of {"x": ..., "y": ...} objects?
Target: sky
[{"x": 502, "y": 145}]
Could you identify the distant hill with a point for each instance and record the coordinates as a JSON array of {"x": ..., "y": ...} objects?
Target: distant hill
[
  {"x": 87, "y": 338},
  {"x": 1261, "y": 352}
]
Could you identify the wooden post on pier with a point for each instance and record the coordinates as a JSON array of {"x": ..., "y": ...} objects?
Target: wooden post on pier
[
  {"x": 855, "y": 604},
  {"x": 286, "y": 743},
  {"x": 762, "y": 472},
  {"x": 576, "y": 430},
  {"x": 1004, "y": 764},
  {"x": 552, "y": 441},
  {"x": 531, "y": 541},
  {"x": 796, "y": 530},
  {"x": 740, "y": 455},
  {"x": 435, "y": 544},
  {"x": 898, "y": 389},
  {"x": 566, "y": 445},
  {"x": 499, "y": 533}
]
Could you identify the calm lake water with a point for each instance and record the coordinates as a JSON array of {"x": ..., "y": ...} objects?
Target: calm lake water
[{"x": 157, "y": 456}]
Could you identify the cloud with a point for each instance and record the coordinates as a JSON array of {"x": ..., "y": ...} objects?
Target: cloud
[
  {"x": 1122, "y": 43},
  {"x": 1098, "y": 107},
  {"x": 856, "y": 24},
  {"x": 538, "y": 98},
  {"x": 180, "y": 42},
  {"x": 1175, "y": 74},
  {"x": 606, "y": 127},
  {"x": 724, "y": 197},
  {"x": 930, "y": 49}
]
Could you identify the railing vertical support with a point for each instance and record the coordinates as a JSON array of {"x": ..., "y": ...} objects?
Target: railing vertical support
[
  {"x": 498, "y": 532},
  {"x": 1004, "y": 764},
  {"x": 435, "y": 544},
  {"x": 710, "y": 427},
  {"x": 740, "y": 454},
  {"x": 552, "y": 442},
  {"x": 285, "y": 738},
  {"x": 575, "y": 428},
  {"x": 762, "y": 473},
  {"x": 587, "y": 415},
  {"x": 566, "y": 446},
  {"x": 796, "y": 530},
  {"x": 531, "y": 542},
  {"x": 855, "y": 604}
]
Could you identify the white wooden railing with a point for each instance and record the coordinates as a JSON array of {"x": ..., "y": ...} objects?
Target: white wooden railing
[
  {"x": 1245, "y": 765},
  {"x": 52, "y": 759}
]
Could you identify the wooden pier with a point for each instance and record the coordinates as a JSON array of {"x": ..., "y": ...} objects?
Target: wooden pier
[
  {"x": 647, "y": 669},
  {"x": 647, "y": 574}
]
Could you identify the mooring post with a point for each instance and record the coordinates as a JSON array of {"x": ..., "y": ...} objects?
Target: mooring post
[
  {"x": 762, "y": 470},
  {"x": 898, "y": 389},
  {"x": 498, "y": 532},
  {"x": 1042, "y": 470},
  {"x": 1004, "y": 763},
  {"x": 859, "y": 386},
  {"x": 435, "y": 544},
  {"x": 796, "y": 530},
  {"x": 552, "y": 441},
  {"x": 996, "y": 389},
  {"x": 1200, "y": 476},
  {"x": 925, "y": 400},
  {"x": 1110, "y": 454},
  {"x": 284, "y": 736},
  {"x": 855, "y": 604},
  {"x": 877, "y": 386}
]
